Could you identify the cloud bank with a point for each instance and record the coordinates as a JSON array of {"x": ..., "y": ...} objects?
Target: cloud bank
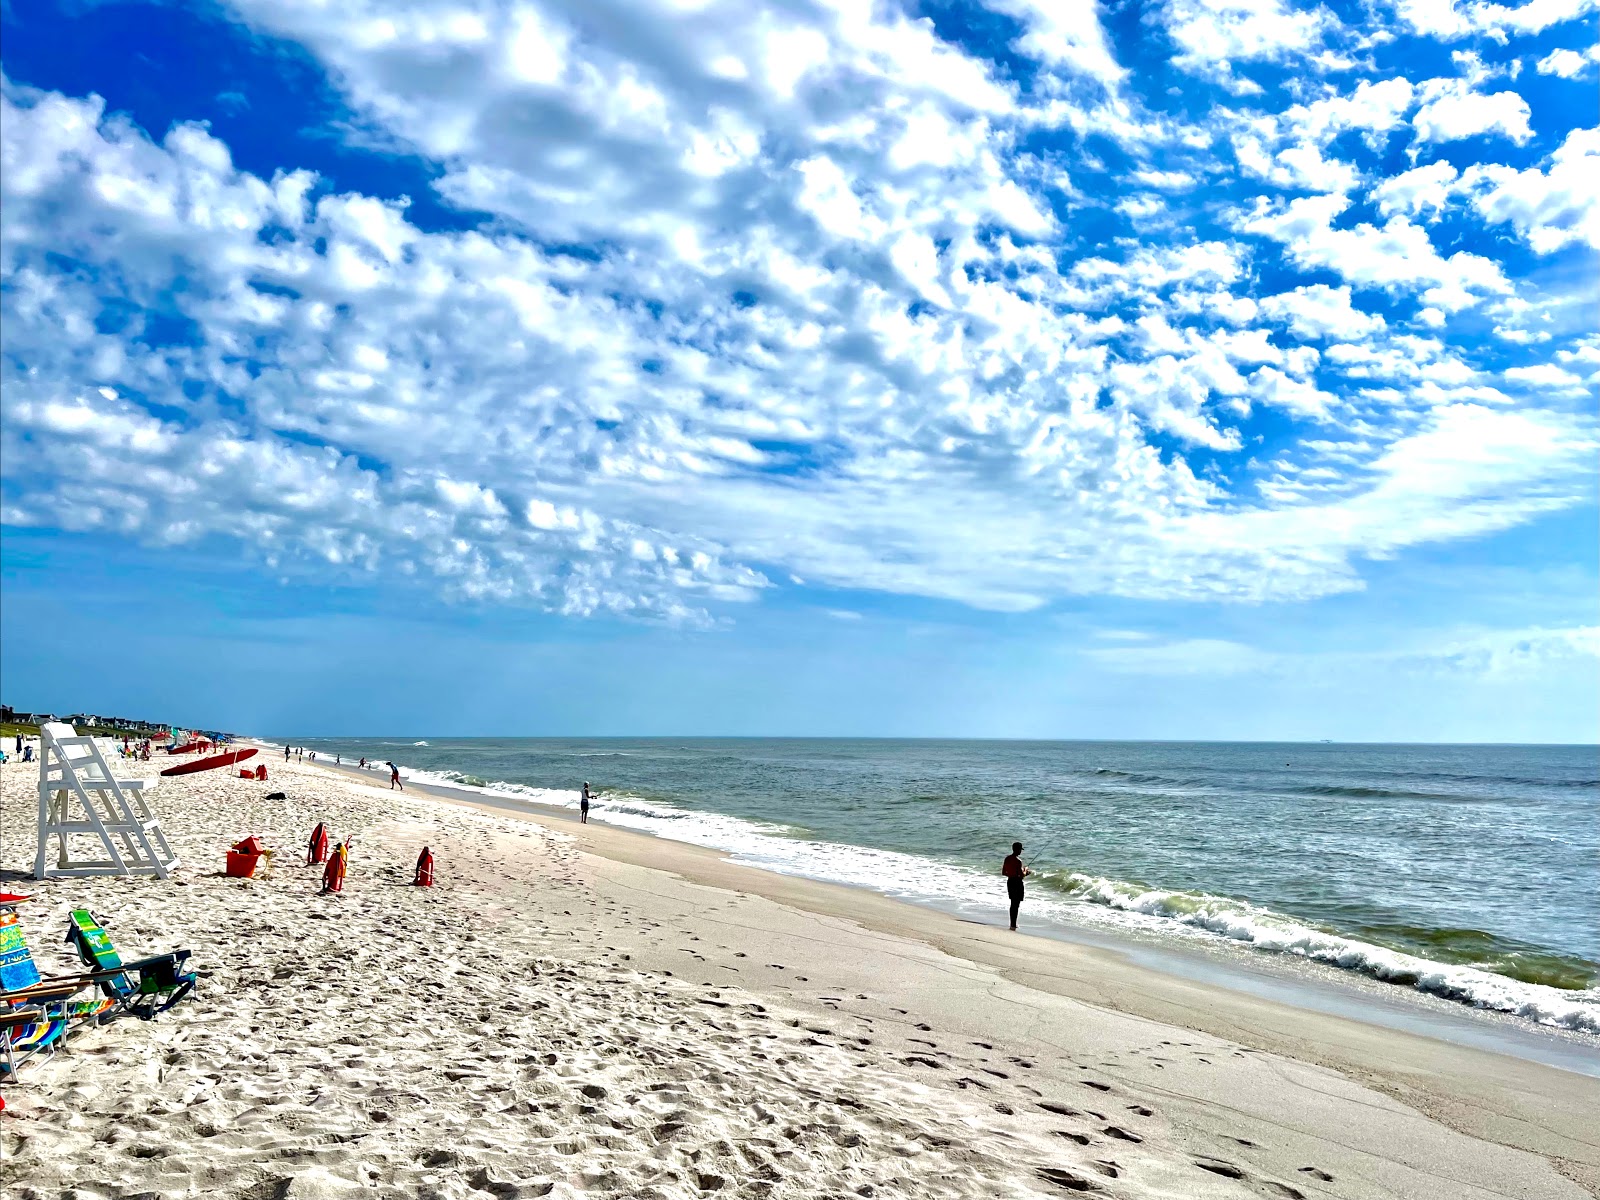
[{"x": 733, "y": 295}]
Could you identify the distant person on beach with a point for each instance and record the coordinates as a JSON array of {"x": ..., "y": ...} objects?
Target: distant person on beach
[
  {"x": 1015, "y": 873},
  {"x": 394, "y": 778},
  {"x": 338, "y": 759},
  {"x": 286, "y": 754},
  {"x": 583, "y": 806}
]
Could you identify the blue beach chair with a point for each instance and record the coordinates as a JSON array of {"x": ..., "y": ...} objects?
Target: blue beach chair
[
  {"x": 140, "y": 989},
  {"x": 36, "y": 1013}
]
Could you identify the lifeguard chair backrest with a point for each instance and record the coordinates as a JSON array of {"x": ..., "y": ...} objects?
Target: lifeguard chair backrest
[{"x": 17, "y": 968}]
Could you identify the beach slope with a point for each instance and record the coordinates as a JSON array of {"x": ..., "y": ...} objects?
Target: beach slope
[{"x": 585, "y": 1011}]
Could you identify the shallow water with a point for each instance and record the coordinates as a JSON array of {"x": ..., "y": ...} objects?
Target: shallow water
[{"x": 1472, "y": 872}]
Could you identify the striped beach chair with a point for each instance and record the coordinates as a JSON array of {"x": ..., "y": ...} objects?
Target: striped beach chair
[{"x": 37, "y": 1013}]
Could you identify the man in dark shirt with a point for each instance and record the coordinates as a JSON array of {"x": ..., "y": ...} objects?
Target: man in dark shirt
[{"x": 1015, "y": 873}]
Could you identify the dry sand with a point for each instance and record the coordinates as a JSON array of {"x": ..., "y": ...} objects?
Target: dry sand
[{"x": 584, "y": 1011}]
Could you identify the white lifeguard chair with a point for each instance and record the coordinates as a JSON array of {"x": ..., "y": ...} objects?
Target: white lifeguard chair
[{"x": 80, "y": 798}]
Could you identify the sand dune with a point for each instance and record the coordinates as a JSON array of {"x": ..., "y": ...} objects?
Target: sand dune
[{"x": 548, "y": 1021}]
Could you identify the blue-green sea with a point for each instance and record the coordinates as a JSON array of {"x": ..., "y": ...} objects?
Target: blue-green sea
[{"x": 1470, "y": 872}]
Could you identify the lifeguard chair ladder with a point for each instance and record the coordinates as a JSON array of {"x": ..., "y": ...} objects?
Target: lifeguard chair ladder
[{"x": 81, "y": 801}]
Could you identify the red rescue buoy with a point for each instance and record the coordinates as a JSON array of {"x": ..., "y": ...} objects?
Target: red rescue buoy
[
  {"x": 318, "y": 849},
  {"x": 424, "y": 875},
  {"x": 333, "y": 874}
]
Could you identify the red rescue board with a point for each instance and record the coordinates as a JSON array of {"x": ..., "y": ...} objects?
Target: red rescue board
[{"x": 205, "y": 764}]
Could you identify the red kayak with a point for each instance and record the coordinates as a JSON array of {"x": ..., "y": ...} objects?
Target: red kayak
[{"x": 216, "y": 760}]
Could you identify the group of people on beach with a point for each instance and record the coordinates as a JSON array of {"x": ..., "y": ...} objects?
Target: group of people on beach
[{"x": 134, "y": 750}]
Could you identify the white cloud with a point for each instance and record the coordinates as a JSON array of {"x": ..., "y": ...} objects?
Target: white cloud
[
  {"x": 1397, "y": 256},
  {"x": 1375, "y": 108},
  {"x": 1067, "y": 36},
  {"x": 1319, "y": 311},
  {"x": 1422, "y": 190},
  {"x": 1477, "y": 654},
  {"x": 1451, "y": 19},
  {"x": 1567, "y": 64},
  {"x": 1548, "y": 376},
  {"x": 1299, "y": 396},
  {"x": 1212, "y": 35},
  {"x": 1453, "y": 109},
  {"x": 1551, "y": 209}
]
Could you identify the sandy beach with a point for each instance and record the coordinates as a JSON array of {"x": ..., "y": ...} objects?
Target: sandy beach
[{"x": 585, "y": 1011}]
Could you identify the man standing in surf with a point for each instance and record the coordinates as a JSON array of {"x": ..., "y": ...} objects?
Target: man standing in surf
[
  {"x": 394, "y": 778},
  {"x": 1015, "y": 873}
]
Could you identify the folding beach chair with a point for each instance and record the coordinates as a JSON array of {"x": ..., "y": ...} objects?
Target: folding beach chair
[
  {"x": 36, "y": 1013},
  {"x": 140, "y": 989}
]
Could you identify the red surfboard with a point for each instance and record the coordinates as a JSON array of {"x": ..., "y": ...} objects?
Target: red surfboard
[{"x": 205, "y": 764}]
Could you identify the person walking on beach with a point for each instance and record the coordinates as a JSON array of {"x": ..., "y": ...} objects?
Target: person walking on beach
[
  {"x": 583, "y": 806},
  {"x": 394, "y": 778},
  {"x": 1015, "y": 873}
]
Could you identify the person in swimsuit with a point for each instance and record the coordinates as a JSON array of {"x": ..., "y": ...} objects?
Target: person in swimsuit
[
  {"x": 1015, "y": 873},
  {"x": 583, "y": 806},
  {"x": 394, "y": 778}
]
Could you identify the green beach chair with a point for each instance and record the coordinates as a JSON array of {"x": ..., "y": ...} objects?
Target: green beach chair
[
  {"x": 37, "y": 1013},
  {"x": 142, "y": 989}
]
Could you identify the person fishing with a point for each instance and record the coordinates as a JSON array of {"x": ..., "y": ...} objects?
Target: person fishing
[
  {"x": 583, "y": 806},
  {"x": 1015, "y": 873}
]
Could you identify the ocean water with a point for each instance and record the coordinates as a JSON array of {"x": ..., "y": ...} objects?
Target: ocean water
[{"x": 1469, "y": 872}]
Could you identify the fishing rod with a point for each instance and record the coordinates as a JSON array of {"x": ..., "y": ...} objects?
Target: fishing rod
[{"x": 1039, "y": 854}]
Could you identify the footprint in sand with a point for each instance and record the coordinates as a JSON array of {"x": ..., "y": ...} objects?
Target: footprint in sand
[
  {"x": 1064, "y": 1178},
  {"x": 1317, "y": 1173},
  {"x": 1217, "y": 1167},
  {"x": 1121, "y": 1134}
]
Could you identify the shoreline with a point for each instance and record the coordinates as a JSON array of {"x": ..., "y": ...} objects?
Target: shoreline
[{"x": 1297, "y": 983}]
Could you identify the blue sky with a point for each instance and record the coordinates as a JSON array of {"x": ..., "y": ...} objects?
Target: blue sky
[{"x": 1198, "y": 369}]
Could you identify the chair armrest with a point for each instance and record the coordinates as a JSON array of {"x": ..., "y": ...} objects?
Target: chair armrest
[{"x": 49, "y": 989}]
